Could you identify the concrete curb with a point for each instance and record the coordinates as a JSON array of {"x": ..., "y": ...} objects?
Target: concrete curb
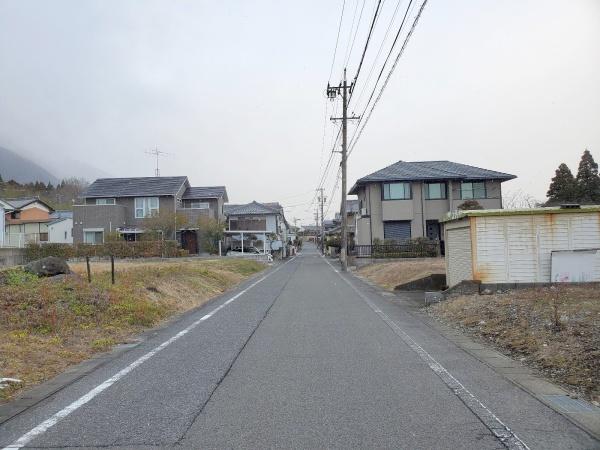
[
  {"x": 37, "y": 394},
  {"x": 579, "y": 412}
]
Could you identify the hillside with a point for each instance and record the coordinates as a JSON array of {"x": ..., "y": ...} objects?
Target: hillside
[{"x": 21, "y": 169}]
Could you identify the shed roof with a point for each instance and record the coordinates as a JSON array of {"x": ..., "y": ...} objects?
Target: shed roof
[
  {"x": 458, "y": 215},
  {"x": 430, "y": 170},
  {"x": 134, "y": 187},
  {"x": 200, "y": 192}
]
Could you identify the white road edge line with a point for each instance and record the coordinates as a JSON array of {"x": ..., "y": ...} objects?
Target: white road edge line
[
  {"x": 502, "y": 432},
  {"x": 57, "y": 417}
]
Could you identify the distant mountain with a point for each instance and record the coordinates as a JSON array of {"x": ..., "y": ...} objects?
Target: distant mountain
[
  {"x": 21, "y": 169},
  {"x": 68, "y": 168}
]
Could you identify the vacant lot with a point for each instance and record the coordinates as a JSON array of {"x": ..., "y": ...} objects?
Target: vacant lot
[
  {"x": 556, "y": 330},
  {"x": 390, "y": 274},
  {"x": 49, "y": 324}
]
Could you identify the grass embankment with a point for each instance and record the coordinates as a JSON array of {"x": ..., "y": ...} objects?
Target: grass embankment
[
  {"x": 48, "y": 324},
  {"x": 556, "y": 330},
  {"x": 390, "y": 274}
]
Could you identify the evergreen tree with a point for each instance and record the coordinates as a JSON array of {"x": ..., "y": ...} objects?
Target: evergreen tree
[
  {"x": 588, "y": 181},
  {"x": 563, "y": 187}
]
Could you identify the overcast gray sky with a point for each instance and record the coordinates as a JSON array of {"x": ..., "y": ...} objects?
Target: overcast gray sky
[{"x": 234, "y": 90}]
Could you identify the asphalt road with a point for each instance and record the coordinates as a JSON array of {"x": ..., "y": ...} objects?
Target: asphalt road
[{"x": 300, "y": 357}]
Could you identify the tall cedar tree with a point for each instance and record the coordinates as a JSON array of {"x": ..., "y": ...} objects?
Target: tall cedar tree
[
  {"x": 588, "y": 181},
  {"x": 563, "y": 188}
]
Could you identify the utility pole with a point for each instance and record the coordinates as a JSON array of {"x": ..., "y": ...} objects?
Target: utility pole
[
  {"x": 317, "y": 218},
  {"x": 332, "y": 93},
  {"x": 322, "y": 200}
]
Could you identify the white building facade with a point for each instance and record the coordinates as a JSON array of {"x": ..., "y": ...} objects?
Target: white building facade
[{"x": 522, "y": 246}]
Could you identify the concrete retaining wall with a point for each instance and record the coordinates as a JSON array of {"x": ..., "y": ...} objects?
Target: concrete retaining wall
[{"x": 11, "y": 256}]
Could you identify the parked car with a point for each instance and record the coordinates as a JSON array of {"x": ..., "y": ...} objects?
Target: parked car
[{"x": 238, "y": 250}]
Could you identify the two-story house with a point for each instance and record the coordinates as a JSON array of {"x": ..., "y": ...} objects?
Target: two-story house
[
  {"x": 408, "y": 199},
  {"x": 259, "y": 225},
  {"x": 123, "y": 204},
  {"x": 25, "y": 221}
]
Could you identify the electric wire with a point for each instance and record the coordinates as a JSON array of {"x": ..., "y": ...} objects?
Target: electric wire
[{"x": 389, "y": 75}]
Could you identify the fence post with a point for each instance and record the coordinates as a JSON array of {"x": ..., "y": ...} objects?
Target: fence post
[
  {"x": 89, "y": 274},
  {"x": 112, "y": 268}
]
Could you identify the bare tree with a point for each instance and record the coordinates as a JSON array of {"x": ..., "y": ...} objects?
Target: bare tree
[{"x": 519, "y": 200}]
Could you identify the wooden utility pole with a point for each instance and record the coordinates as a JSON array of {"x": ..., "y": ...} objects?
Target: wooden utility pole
[{"x": 332, "y": 92}]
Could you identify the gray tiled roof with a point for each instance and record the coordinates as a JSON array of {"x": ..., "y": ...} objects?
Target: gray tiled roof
[
  {"x": 134, "y": 187},
  {"x": 18, "y": 203},
  {"x": 249, "y": 209},
  {"x": 62, "y": 214},
  {"x": 205, "y": 192},
  {"x": 430, "y": 170}
]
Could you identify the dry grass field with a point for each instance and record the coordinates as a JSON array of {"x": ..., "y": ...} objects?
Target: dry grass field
[
  {"x": 556, "y": 330},
  {"x": 48, "y": 324},
  {"x": 390, "y": 274}
]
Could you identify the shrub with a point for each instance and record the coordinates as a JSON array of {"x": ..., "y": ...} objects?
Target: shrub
[{"x": 118, "y": 249}]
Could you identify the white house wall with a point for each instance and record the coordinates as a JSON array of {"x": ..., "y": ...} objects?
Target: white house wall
[
  {"x": 517, "y": 249},
  {"x": 57, "y": 231},
  {"x": 271, "y": 224},
  {"x": 458, "y": 252}
]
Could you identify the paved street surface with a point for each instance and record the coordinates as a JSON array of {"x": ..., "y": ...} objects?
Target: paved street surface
[{"x": 304, "y": 358}]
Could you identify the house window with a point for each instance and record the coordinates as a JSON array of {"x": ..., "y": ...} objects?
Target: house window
[
  {"x": 470, "y": 190},
  {"x": 396, "y": 191},
  {"x": 105, "y": 201},
  {"x": 146, "y": 207},
  {"x": 65, "y": 235},
  {"x": 435, "y": 191},
  {"x": 93, "y": 236},
  {"x": 196, "y": 204}
]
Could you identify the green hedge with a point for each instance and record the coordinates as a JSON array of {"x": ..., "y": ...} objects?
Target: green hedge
[{"x": 121, "y": 249}]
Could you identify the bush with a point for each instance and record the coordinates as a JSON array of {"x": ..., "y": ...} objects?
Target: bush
[{"x": 118, "y": 249}]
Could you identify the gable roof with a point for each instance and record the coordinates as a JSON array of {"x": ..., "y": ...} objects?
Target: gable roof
[
  {"x": 18, "y": 203},
  {"x": 134, "y": 187},
  {"x": 205, "y": 192},
  {"x": 430, "y": 170},
  {"x": 250, "y": 209}
]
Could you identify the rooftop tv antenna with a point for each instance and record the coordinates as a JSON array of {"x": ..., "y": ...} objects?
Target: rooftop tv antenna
[{"x": 156, "y": 152}]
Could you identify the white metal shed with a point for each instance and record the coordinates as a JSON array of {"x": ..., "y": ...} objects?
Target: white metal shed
[{"x": 516, "y": 246}]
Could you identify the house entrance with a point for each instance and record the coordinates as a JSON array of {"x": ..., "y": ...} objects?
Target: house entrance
[
  {"x": 433, "y": 230},
  {"x": 189, "y": 241}
]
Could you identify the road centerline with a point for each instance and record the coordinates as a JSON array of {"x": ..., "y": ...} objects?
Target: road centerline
[{"x": 58, "y": 416}]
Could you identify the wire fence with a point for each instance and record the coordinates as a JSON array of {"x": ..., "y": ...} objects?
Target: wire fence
[{"x": 402, "y": 249}]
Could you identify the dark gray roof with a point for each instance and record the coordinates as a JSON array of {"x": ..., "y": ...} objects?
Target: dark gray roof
[
  {"x": 205, "y": 192},
  {"x": 62, "y": 214},
  {"x": 430, "y": 170},
  {"x": 249, "y": 209},
  {"x": 134, "y": 187}
]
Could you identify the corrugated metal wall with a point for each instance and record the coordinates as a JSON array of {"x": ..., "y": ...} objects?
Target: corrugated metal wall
[
  {"x": 458, "y": 254},
  {"x": 517, "y": 249}
]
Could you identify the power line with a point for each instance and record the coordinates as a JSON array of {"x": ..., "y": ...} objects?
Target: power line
[
  {"x": 389, "y": 53},
  {"x": 400, "y": 53},
  {"x": 387, "y": 31},
  {"x": 362, "y": 58},
  {"x": 353, "y": 38},
  {"x": 337, "y": 39}
]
